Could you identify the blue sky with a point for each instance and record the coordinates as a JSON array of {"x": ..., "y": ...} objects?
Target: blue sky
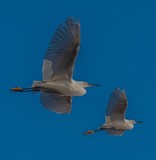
[{"x": 118, "y": 49}]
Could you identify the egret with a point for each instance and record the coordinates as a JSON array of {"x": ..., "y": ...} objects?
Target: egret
[
  {"x": 115, "y": 122},
  {"x": 57, "y": 86}
]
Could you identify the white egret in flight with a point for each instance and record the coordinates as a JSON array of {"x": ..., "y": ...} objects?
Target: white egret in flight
[
  {"x": 57, "y": 86},
  {"x": 115, "y": 122}
]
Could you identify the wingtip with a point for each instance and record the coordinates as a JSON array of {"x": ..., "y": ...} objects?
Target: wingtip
[
  {"x": 72, "y": 20},
  {"x": 118, "y": 90}
]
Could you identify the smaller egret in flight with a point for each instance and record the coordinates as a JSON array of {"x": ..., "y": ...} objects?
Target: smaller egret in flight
[
  {"x": 115, "y": 122},
  {"x": 57, "y": 86}
]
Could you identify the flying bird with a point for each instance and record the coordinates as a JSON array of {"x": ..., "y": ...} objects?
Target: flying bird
[
  {"x": 57, "y": 86},
  {"x": 115, "y": 122}
]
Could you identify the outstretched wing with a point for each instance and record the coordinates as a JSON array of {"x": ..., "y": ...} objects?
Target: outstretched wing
[
  {"x": 56, "y": 103},
  {"x": 118, "y": 132},
  {"x": 117, "y": 105},
  {"x": 62, "y": 51}
]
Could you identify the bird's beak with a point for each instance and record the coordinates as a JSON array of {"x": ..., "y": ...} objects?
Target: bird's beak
[
  {"x": 138, "y": 122},
  {"x": 94, "y": 84}
]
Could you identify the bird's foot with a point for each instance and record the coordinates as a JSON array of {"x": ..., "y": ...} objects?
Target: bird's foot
[
  {"x": 88, "y": 132},
  {"x": 19, "y": 89},
  {"x": 16, "y": 89}
]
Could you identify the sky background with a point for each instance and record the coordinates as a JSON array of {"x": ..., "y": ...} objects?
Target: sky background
[{"x": 118, "y": 49}]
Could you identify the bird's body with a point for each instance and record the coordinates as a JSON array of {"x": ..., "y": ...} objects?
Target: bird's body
[
  {"x": 115, "y": 122},
  {"x": 66, "y": 88},
  {"x": 57, "y": 86},
  {"x": 118, "y": 124}
]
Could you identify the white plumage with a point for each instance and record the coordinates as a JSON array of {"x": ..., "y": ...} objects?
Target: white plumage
[
  {"x": 115, "y": 122},
  {"x": 58, "y": 86}
]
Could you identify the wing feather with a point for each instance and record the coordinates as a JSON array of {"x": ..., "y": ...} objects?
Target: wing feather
[
  {"x": 118, "y": 132},
  {"x": 62, "y": 51},
  {"x": 56, "y": 102},
  {"x": 117, "y": 105}
]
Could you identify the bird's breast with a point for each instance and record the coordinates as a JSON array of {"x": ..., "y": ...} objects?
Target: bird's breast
[{"x": 76, "y": 90}]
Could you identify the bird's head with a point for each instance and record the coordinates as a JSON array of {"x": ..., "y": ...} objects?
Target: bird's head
[
  {"x": 85, "y": 84},
  {"x": 135, "y": 122}
]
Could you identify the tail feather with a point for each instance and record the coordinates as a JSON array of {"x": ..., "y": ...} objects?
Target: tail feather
[
  {"x": 36, "y": 84},
  {"x": 107, "y": 119}
]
